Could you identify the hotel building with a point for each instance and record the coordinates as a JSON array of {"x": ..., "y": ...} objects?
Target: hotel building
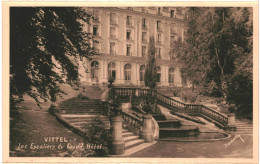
[{"x": 123, "y": 37}]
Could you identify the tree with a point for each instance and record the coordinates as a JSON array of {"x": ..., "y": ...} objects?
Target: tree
[
  {"x": 150, "y": 69},
  {"x": 218, "y": 50},
  {"x": 216, "y": 39},
  {"x": 42, "y": 41}
]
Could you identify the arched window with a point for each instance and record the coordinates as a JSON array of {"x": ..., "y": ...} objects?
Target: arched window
[
  {"x": 142, "y": 70},
  {"x": 127, "y": 72},
  {"x": 94, "y": 69},
  {"x": 171, "y": 75},
  {"x": 158, "y": 69},
  {"x": 112, "y": 70}
]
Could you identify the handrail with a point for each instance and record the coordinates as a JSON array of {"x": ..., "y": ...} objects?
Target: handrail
[
  {"x": 132, "y": 123},
  {"x": 200, "y": 109},
  {"x": 197, "y": 109}
]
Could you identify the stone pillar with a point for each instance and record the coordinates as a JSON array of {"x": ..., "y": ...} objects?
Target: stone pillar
[
  {"x": 118, "y": 144},
  {"x": 231, "y": 126},
  {"x": 147, "y": 132}
]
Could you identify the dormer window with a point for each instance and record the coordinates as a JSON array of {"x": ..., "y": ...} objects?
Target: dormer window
[
  {"x": 159, "y": 11},
  {"x": 112, "y": 18},
  {"x": 144, "y": 26},
  {"x": 128, "y": 21},
  {"x": 172, "y": 14}
]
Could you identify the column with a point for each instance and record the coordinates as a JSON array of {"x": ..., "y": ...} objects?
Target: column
[{"x": 118, "y": 144}]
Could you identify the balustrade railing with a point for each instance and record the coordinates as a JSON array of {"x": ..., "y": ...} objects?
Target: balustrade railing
[
  {"x": 132, "y": 123},
  {"x": 196, "y": 109}
]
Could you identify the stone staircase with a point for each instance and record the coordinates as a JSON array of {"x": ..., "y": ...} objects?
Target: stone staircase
[
  {"x": 244, "y": 127},
  {"x": 80, "y": 113},
  {"x": 81, "y": 106},
  {"x": 169, "y": 128}
]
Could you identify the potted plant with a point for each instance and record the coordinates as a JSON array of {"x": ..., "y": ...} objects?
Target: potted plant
[{"x": 110, "y": 80}]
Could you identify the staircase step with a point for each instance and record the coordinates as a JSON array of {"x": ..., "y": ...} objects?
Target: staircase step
[
  {"x": 133, "y": 143},
  {"x": 82, "y": 115},
  {"x": 130, "y": 138},
  {"x": 126, "y": 134}
]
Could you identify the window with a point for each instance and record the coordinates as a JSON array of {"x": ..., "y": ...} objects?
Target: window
[
  {"x": 172, "y": 14},
  {"x": 130, "y": 8},
  {"x": 94, "y": 69},
  {"x": 183, "y": 78},
  {"x": 127, "y": 72},
  {"x": 158, "y": 54},
  {"x": 173, "y": 39},
  {"x": 142, "y": 70},
  {"x": 158, "y": 77},
  {"x": 112, "y": 48},
  {"x": 143, "y": 51},
  {"x": 159, "y": 11},
  {"x": 95, "y": 30},
  {"x": 112, "y": 18},
  {"x": 96, "y": 15},
  {"x": 144, "y": 23},
  {"x": 113, "y": 32},
  {"x": 112, "y": 70},
  {"x": 173, "y": 30},
  {"x": 159, "y": 28},
  {"x": 144, "y": 37},
  {"x": 96, "y": 47},
  {"x": 128, "y": 50},
  {"x": 128, "y": 21},
  {"x": 171, "y": 75},
  {"x": 128, "y": 35},
  {"x": 159, "y": 38}
]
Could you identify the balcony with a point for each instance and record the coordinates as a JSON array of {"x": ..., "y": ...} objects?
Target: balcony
[
  {"x": 129, "y": 38},
  {"x": 160, "y": 14},
  {"x": 96, "y": 20},
  {"x": 144, "y": 27},
  {"x": 159, "y": 29},
  {"x": 159, "y": 42},
  {"x": 144, "y": 40},
  {"x": 129, "y": 54},
  {"x": 129, "y": 24},
  {"x": 113, "y": 22},
  {"x": 112, "y": 52},
  {"x": 96, "y": 50},
  {"x": 113, "y": 36},
  {"x": 158, "y": 57}
]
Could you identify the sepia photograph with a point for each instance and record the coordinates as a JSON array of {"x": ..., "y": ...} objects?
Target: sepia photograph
[{"x": 126, "y": 82}]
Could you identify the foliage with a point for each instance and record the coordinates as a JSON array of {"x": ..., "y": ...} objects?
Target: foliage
[
  {"x": 176, "y": 91},
  {"x": 45, "y": 46},
  {"x": 187, "y": 95},
  {"x": 96, "y": 133},
  {"x": 150, "y": 70},
  {"x": 240, "y": 95},
  {"x": 217, "y": 54}
]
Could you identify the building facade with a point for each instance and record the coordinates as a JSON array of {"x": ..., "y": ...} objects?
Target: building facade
[{"x": 123, "y": 37}]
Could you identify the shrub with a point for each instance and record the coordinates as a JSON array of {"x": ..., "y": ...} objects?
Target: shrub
[
  {"x": 97, "y": 134},
  {"x": 188, "y": 96},
  {"x": 53, "y": 109},
  {"x": 176, "y": 91}
]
